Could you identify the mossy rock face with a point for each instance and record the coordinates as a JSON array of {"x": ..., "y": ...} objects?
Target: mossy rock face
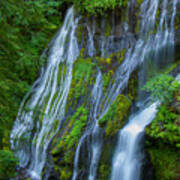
[
  {"x": 83, "y": 78},
  {"x": 63, "y": 153},
  {"x": 112, "y": 122},
  {"x": 105, "y": 163},
  {"x": 111, "y": 62},
  {"x": 108, "y": 66},
  {"x": 77, "y": 110},
  {"x": 115, "y": 117},
  {"x": 133, "y": 86}
]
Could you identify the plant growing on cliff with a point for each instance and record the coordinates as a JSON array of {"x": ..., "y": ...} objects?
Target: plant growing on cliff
[{"x": 162, "y": 87}]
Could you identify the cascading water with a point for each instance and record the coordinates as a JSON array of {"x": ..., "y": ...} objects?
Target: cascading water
[
  {"x": 94, "y": 130},
  {"x": 126, "y": 164},
  {"x": 49, "y": 94},
  {"x": 147, "y": 45},
  {"x": 97, "y": 139},
  {"x": 43, "y": 109},
  {"x": 127, "y": 158}
]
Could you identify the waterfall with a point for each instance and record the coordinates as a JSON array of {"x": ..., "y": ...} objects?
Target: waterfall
[
  {"x": 34, "y": 128},
  {"x": 126, "y": 164},
  {"x": 42, "y": 111},
  {"x": 97, "y": 139},
  {"x": 93, "y": 130},
  {"x": 128, "y": 156},
  {"x": 148, "y": 44}
]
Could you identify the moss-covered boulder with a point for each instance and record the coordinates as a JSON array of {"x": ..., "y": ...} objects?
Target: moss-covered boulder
[{"x": 115, "y": 117}]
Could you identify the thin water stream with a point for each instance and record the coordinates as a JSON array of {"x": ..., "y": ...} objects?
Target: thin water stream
[{"x": 43, "y": 109}]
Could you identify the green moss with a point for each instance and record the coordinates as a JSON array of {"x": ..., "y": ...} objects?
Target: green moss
[
  {"x": 177, "y": 19},
  {"x": 65, "y": 174},
  {"x": 106, "y": 80},
  {"x": 108, "y": 29},
  {"x": 77, "y": 129},
  {"x": 133, "y": 86},
  {"x": 108, "y": 65},
  {"x": 104, "y": 171},
  {"x": 114, "y": 119},
  {"x": 76, "y": 124},
  {"x": 84, "y": 72},
  {"x": 121, "y": 55},
  {"x": 111, "y": 62},
  {"x": 68, "y": 143},
  {"x": 105, "y": 162},
  {"x": 140, "y": 2},
  {"x": 80, "y": 31}
]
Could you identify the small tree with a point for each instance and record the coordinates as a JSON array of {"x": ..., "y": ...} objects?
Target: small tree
[{"x": 162, "y": 87}]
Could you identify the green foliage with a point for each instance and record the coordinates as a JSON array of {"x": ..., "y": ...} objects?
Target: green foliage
[
  {"x": 26, "y": 27},
  {"x": 80, "y": 118},
  {"x": 84, "y": 72},
  {"x": 162, "y": 87},
  {"x": 8, "y": 164},
  {"x": 104, "y": 171},
  {"x": 165, "y": 127},
  {"x": 65, "y": 174},
  {"x": 68, "y": 142},
  {"x": 115, "y": 117},
  {"x": 76, "y": 124},
  {"x": 98, "y": 6},
  {"x": 133, "y": 86}
]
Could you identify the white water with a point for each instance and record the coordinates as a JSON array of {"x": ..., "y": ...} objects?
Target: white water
[
  {"x": 147, "y": 45},
  {"x": 48, "y": 98},
  {"x": 49, "y": 95},
  {"x": 126, "y": 164},
  {"x": 127, "y": 159},
  {"x": 96, "y": 134},
  {"x": 93, "y": 131}
]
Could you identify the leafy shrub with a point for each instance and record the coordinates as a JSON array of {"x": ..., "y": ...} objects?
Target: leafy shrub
[
  {"x": 162, "y": 87},
  {"x": 165, "y": 127}
]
